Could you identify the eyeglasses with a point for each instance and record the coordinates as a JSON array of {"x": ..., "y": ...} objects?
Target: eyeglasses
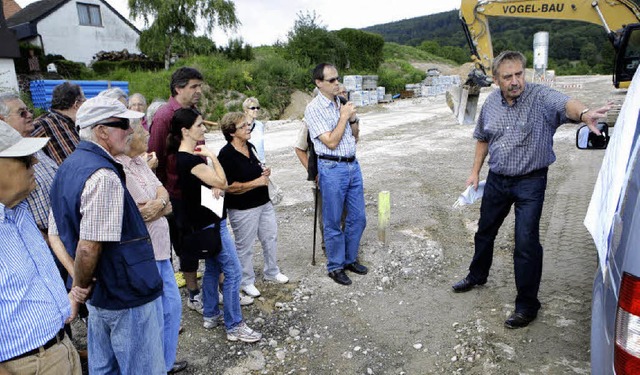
[
  {"x": 28, "y": 161},
  {"x": 24, "y": 112},
  {"x": 254, "y": 108},
  {"x": 122, "y": 123},
  {"x": 333, "y": 80}
]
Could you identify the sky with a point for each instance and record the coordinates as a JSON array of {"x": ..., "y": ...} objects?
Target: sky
[{"x": 266, "y": 21}]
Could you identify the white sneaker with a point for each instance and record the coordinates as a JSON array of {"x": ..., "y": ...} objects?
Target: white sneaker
[
  {"x": 242, "y": 332},
  {"x": 251, "y": 290},
  {"x": 195, "y": 304},
  {"x": 279, "y": 278},
  {"x": 214, "y": 321},
  {"x": 245, "y": 300}
]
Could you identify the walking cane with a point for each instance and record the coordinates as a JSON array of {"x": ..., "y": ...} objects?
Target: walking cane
[{"x": 315, "y": 225}]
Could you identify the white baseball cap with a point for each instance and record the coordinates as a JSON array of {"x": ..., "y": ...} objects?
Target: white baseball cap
[
  {"x": 100, "y": 108},
  {"x": 13, "y": 145}
]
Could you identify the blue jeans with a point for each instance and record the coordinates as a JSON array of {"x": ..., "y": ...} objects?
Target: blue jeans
[
  {"x": 171, "y": 311},
  {"x": 342, "y": 188},
  {"x": 526, "y": 193},
  {"x": 127, "y": 341},
  {"x": 225, "y": 262}
]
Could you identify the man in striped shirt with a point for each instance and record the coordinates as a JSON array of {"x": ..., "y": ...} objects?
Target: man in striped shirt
[
  {"x": 15, "y": 113},
  {"x": 339, "y": 177},
  {"x": 34, "y": 305},
  {"x": 59, "y": 124}
]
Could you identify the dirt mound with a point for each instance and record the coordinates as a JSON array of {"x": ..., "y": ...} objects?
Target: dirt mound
[
  {"x": 445, "y": 69},
  {"x": 295, "y": 110}
]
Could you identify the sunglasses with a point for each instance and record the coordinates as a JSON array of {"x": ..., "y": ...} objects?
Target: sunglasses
[
  {"x": 28, "y": 161},
  {"x": 123, "y": 124},
  {"x": 333, "y": 80},
  {"x": 254, "y": 108}
]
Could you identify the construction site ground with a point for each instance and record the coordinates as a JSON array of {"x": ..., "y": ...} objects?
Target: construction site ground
[{"x": 403, "y": 318}]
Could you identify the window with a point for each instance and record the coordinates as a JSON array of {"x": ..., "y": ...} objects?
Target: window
[{"x": 89, "y": 15}]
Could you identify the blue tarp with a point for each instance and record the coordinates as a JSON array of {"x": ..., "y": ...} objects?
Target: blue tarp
[{"x": 41, "y": 90}]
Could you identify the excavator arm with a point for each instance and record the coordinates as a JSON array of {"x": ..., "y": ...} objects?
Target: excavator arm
[{"x": 613, "y": 15}]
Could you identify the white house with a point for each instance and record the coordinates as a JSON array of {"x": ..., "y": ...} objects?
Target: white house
[
  {"x": 8, "y": 51},
  {"x": 74, "y": 29}
]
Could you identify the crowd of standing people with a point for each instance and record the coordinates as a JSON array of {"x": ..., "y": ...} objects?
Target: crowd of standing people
[{"x": 97, "y": 194}]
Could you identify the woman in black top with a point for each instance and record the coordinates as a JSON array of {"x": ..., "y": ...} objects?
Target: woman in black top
[
  {"x": 187, "y": 129},
  {"x": 251, "y": 213}
]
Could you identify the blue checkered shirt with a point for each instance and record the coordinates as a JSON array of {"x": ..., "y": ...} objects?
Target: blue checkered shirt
[
  {"x": 322, "y": 116},
  {"x": 39, "y": 201},
  {"x": 33, "y": 300},
  {"x": 520, "y": 136}
]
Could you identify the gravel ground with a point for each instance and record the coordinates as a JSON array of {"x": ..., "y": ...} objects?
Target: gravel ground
[{"x": 403, "y": 318}]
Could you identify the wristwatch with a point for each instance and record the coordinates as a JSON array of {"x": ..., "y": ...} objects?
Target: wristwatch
[
  {"x": 582, "y": 113},
  {"x": 354, "y": 121}
]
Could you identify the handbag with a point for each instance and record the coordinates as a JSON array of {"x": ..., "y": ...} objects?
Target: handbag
[
  {"x": 275, "y": 193},
  {"x": 205, "y": 243}
]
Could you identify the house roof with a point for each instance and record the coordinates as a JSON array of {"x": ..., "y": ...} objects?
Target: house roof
[
  {"x": 10, "y": 8},
  {"x": 34, "y": 12},
  {"x": 9, "y": 45}
]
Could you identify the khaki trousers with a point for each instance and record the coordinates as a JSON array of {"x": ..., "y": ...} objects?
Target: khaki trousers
[{"x": 60, "y": 359}]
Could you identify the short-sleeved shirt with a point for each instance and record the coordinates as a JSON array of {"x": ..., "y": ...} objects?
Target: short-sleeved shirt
[
  {"x": 101, "y": 208},
  {"x": 160, "y": 128},
  {"x": 303, "y": 143},
  {"x": 196, "y": 214},
  {"x": 143, "y": 186},
  {"x": 257, "y": 139},
  {"x": 520, "y": 135},
  {"x": 321, "y": 116},
  {"x": 39, "y": 200},
  {"x": 240, "y": 168},
  {"x": 62, "y": 132},
  {"x": 301, "y": 140}
]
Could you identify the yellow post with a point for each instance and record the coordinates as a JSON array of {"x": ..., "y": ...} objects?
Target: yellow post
[{"x": 384, "y": 214}]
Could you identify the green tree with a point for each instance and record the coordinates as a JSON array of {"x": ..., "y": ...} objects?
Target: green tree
[
  {"x": 310, "y": 43},
  {"x": 364, "y": 50},
  {"x": 430, "y": 46},
  {"x": 237, "y": 50},
  {"x": 589, "y": 53},
  {"x": 173, "y": 19}
]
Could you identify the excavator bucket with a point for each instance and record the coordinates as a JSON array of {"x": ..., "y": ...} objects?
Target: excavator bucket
[{"x": 463, "y": 101}]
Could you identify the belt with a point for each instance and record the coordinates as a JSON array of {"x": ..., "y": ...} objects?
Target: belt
[
  {"x": 346, "y": 159},
  {"x": 537, "y": 173},
  {"x": 55, "y": 340}
]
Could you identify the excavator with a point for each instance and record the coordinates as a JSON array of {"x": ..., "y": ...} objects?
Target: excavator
[{"x": 620, "y": 19}]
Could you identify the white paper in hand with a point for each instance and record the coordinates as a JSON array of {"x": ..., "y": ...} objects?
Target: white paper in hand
[
  {"x": 216, "y": 205},
  {"x": 470, "y": 195}
]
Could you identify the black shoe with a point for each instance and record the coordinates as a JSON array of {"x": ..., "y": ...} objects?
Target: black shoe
[
  {"x": 466, "y": 285},
  {"x": 340, "y": 277},
  {"x": 519, "y": 320},
  {"x": 177, "y": 367},
  {"x": 356, "y": 267}
]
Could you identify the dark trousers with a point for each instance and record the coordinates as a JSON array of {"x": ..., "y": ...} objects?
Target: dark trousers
[{"x": 526, "y": 193}]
